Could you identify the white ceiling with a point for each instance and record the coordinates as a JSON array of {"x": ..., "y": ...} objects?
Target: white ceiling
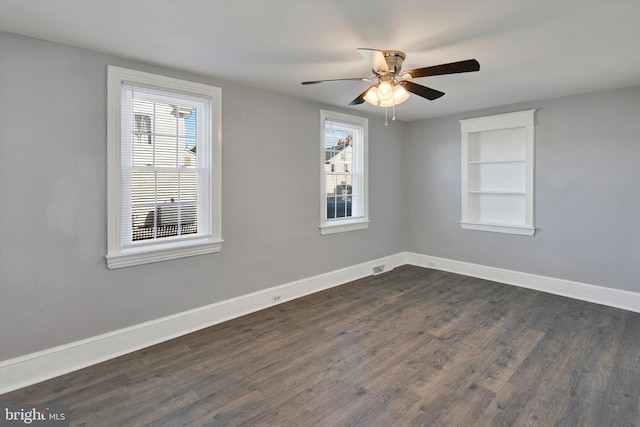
[{"x": 527, "y": 49}]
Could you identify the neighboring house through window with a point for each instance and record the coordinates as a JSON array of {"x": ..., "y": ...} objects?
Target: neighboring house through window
[
  {"x": 142, "y": 131},
  {"x": 164, "y": 168},
  {"x": 344, "y": 173}
]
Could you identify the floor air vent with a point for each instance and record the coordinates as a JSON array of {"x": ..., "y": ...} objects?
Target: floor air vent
[{"x": 378, "y": 269}]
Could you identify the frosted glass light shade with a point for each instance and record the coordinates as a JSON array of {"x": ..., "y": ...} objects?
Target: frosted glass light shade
[
  {"x": 397, "y": 95},
  {"x": 385, "y": 91},
  {"x": 400, "y": 95},
  {"x": 372, "y": 96}
]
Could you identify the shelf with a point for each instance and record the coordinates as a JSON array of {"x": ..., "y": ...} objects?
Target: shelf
[
  {"x": 485, "y": 162},
  {"x": 499, "y": 228},
  {"x": 497, "y": 173},
  {"x": 508, "y": 193}
]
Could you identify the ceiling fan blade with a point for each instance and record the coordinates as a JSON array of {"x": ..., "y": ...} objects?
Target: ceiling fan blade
[
  {"x": 437, "y": 70},
  {"x": 360, "y": 79},
  {"x": 423, "y": 91},
  {"x": 360, "y": 98},
  {"x": 375, "y": 58}
]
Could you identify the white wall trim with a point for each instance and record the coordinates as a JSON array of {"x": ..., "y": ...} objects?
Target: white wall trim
[
  {"x": 618, "y": 298},
  {"x": 43, "y": 365}
]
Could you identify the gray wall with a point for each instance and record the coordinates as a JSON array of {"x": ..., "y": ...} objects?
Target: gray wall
[
  {"x": 587, "y": 197},
  {"x": 54, "y": 286}
]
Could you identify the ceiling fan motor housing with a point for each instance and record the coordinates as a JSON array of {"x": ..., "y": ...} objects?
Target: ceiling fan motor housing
[{"x": 394, "y": 60}]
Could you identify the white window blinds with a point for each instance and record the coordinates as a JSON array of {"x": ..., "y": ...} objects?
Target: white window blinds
[
  {"x": 342, "y": 169},
  {"x": 165, "y": 166}
]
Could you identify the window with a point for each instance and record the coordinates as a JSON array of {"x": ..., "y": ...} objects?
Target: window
[
  {"x": 497, "y": 173},
  {"x": 143, "y": 128},
  {"x": 344, "y": 204},
  {"x": 164, "y": 163}
]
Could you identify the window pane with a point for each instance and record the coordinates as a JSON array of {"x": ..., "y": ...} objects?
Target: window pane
[
  {"x": 188, "y": 216},
  {"x": 331, "y": 207},
  {"x": 342, "y": 189},
  {"x": 142, "y": 154},
  {"x": 188, "y": 186},
  {"x": 142, "y": 187},
  {"x": 343, "y": 207},
  {"x": 184, "y": 116},
  {"x": 191, "y": 137},
  {"x": 339, "y": 190},
  {"x": 347, "y": 154},
  {"x": 338, "y": 207},
  {"x": 166, "y": 122},
  {"x": 186, "y": 154},
  {"x": 168, "y": 190},
  {"x": 331, "y": 185},
  {"x": 143, "y": 222},
  {"x": 166, "y": 151},
  {"x": 344, "y": 184},
  {"x": 142, "y": 129},
  {"x": 338, "y": 149}
]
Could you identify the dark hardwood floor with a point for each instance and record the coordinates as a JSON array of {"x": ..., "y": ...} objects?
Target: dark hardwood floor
[{"x": 411, "y": 347}]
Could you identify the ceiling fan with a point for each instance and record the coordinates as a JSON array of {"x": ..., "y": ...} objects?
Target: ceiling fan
[{"x": 393, "y": 85}]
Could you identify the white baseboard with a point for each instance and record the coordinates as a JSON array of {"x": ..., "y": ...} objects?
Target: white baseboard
[
  {"x": 597, "y": 294},
  {"x": 43, "y": 365}
]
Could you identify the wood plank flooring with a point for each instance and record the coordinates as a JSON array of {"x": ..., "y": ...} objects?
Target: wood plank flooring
[{"x": 411, "y": 347}]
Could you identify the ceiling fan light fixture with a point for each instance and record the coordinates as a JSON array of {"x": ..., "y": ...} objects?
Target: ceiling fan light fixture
[
  {"x": 400, "y": 94},
  {"x": 397, "y": 95},
  {"x": 372, "y": 96},
  {"x": 385, "y": 91}
]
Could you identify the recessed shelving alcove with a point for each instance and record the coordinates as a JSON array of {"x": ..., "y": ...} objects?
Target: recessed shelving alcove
[{"x": 497, "y": 173}]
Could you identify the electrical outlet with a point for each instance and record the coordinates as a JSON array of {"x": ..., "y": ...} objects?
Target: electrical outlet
[{"x": 275, "y": 298}]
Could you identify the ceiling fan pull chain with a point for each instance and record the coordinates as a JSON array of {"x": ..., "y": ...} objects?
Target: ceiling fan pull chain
[
  {"x": 393, "y": 119},
  {"x": 386, "y": 122}
]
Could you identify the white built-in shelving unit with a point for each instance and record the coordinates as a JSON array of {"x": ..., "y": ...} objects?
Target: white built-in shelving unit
[{"x": 497, "y": 173}]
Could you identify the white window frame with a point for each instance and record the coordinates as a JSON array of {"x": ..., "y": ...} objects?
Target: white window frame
[
  {"x": 503, "y": 162},
  {"x": 117, "y": 255},
  {"x": 360, "y": 166}
]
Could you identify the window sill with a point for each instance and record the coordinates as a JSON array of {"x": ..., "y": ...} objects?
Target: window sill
[
  {"x": 498, "y": 228},
  {"x": 162, "y": 252},
  {"x": 343, "y": 226}
]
